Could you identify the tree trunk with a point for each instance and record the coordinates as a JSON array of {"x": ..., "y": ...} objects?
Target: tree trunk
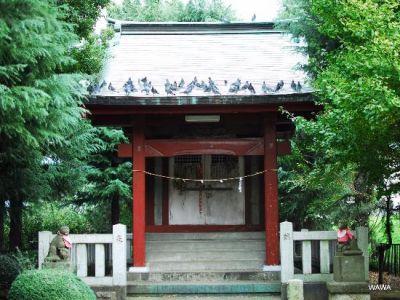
[
  {"x": 2, "y": 213},
  {"x": 388, "y": 221},
  {"x": 115, "y": 210},
  {"x": 15, "y": 223},
  {"x": 362, "y": 197}
]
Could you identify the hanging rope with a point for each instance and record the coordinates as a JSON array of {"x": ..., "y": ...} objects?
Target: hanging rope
[{"x": 204, "y": 180}]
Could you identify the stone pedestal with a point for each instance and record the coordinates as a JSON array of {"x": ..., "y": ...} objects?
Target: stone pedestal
[
  {"x": 348, "y": 268},
  {"x": 348, "y": 290},
  {"x": 348, "y": 275},
  {"x": 64, "y": 265}
]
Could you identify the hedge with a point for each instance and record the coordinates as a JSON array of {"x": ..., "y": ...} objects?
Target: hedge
[{"x": 49, "y": 285}]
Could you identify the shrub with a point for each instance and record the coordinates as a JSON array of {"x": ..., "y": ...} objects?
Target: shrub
[
  {"x": 49, "y": 285},
  {"x": 9, "y": 269}
]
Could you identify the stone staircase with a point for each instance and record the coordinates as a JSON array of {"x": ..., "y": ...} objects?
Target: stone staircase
[{"x": 205, "y": 264}]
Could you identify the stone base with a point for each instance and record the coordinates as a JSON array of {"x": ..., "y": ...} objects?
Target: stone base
[
  {"x": 350, "y": 297},
  {"x": 311, "y": 291},
  {"x": 348, "y": 290},
  {"x": 110, "y": 292},
  {"x": 58, "y": 265},
  {"x": 348, "y": 268}
]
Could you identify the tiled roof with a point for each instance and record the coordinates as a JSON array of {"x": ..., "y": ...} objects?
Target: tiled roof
[{"x": 253, "y": 52}]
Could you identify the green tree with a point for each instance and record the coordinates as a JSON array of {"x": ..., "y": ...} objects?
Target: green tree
[
  {"x": 83, "y": 14},
  {"x": 40, "y": 104},
  {"x": 354, "y": 51},
  {"x": 173, "y": 10},
  {"x": 109, "y": 179}
]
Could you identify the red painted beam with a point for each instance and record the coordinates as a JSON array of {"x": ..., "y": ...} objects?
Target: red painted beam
[
  {"x": 173, "y": 147},
  {"x": 139, "y": 210},
  {"x": 271, "y": 192},
  {"x": 96, "y": 109}
]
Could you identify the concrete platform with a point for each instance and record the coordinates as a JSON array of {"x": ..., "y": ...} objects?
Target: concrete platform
[
  {"x": 224, "y": 287},
  {"x": 205, "y": 276},
  {"x": 235, "y": 251},
  {"x": 205, "y": 266},
  {"x": 207, "y": 297}
]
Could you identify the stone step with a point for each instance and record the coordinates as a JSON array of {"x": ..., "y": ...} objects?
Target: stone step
[
  {"x": 224, "y": 287},
  {"x": 205, "y": 276},
  {"x": 205, "y": 245},
  {"x": 258, "y": 296},
  {"x": 206, "y": 236},
  {"x": 201, "y": 255},
  {"x": 234, "y": 265}
]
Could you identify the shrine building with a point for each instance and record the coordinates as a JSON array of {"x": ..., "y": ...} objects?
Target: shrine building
[{"x": 204, "y": 145}]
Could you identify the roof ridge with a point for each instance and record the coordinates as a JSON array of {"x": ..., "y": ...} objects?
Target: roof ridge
[{"x": 129, "y": 27}]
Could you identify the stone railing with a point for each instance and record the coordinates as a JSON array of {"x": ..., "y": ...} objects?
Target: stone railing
[
  {"x": 288, "y": 238},
  {"x": 104, "y": 254}
]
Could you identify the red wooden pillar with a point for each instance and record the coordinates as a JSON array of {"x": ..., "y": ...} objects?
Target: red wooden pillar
[
  {"x": 139, "y": 188},
  {"x": 271, "y": 192}
]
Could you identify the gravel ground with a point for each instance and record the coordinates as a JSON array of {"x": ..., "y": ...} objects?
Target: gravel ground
[{"x": 388, "y": 279}]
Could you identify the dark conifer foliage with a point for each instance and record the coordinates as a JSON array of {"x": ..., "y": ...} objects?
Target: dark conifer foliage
[{"x": 40, "y": 105}]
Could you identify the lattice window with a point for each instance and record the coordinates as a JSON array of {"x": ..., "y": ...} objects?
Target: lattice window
[
  {"x": 205, "y": 167},
  {"x": 188, "y": 166},
  {"x": 224, "y": 166}
]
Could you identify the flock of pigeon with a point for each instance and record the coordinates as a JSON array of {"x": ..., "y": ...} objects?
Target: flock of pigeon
[{"x": 171, "y": 89}]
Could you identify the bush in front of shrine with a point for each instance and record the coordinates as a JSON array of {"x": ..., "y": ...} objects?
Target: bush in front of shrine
[
  {"x": 9, "y": 269},
  {"x": 49, "y": 285}
]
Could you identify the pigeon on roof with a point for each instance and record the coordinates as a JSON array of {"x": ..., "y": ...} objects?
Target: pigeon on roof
[
  {"x": 265, "y": 89},
  {"x": 189, "y": 89},
  {"x": 93, "y": 88},
  {"x": 234, "y": 88},
  {"x": 215, "y": 89},
  {"x": 251, "y": 88},
  {"x": 103, "y": 84},
  {"x": 111, "y": 88},
  {"x": 147, "y": 88},
  {"x": 293, "y": 86},
  {"x": 181, "y": 83},
  {"x": 174, "y": 86},
  {"x": 193, "y": 82},
  {"x": 279, "y": 85},
  {"x": 129, "y": 86},
  {"x": 298, "y": 87},
  {"x": 153, "y": 90},
  {"x": 127, "y": 89},
  {"x": 213, "y": 86},
  {"x": 253, "y": 19},
  {"x": 245, "y": 86},
  {"x": 225, "y": 82},
  {"x": 202, "y": 85},
  {"x": 168, "y": 90}
]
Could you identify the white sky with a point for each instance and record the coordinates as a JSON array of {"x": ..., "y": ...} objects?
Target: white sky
[{"x": 265, "y": 10}]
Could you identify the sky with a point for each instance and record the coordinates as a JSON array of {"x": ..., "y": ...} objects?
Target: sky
[{"x": 265, "y": 10}]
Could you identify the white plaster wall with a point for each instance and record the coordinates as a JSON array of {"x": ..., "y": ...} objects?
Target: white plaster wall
[{"x": 217, "y": 207}]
